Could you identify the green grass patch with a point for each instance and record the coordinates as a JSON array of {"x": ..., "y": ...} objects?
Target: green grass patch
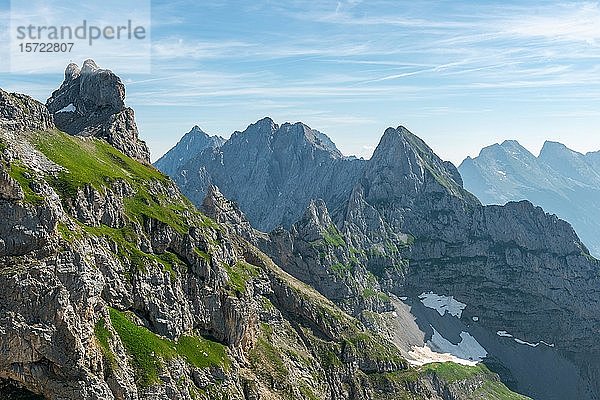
[
  {"x": 209, "y": 223},
  {"x": 333, "y": 237},
  {"x": 265, "y": 358},
  {"x": 125, "y": 239},
  {"x": 203, "y": 353},
  {"x": 148, "y": 351},
  {"x": 170, "y": 262},
  {"x": 341, "y": 269},
  {"x": 66, "y": 233},
  {"x": 103, "y": 336},
  {"x": 307, "y": 392},
  {"x": 497, "y": 390},
  {"x": 369, "y": 293},
  {"x": 143, "y": 205},
  {"x": 239, "y": 274},
  {"x": 492, "y": 388},
  {"x": 372, "y": 347},
  {"x": 92, "y": 161},
  {"x": 24, "y": 177},
  {"x": 451, "y": 372},
  {"x": 203, "y": 255},
  {"x": 329, "y": 357}
]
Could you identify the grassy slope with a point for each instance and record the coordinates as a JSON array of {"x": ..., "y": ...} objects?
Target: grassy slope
[
  {"x": 148, "y": 351},
  {"x": 94, "y": 162}
]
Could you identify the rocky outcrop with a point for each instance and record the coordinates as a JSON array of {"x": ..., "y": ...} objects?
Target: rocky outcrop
[
  {"x": 19, "y": 112},
  {"x": 91, "y": 102},
  {"x": 225, "y": 211},
  {"x": 315, "y": 252}
]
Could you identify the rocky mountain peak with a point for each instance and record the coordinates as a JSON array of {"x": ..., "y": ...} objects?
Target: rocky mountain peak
[
  {"x": 305, "y": 134},
  {"x": 72, "y": 72},
  {"x": 317, "y": 212},
  {"x": 91, "y": 102},
  {"x": 315, "y": 221},
  {"x": 89, "y": 66},
  {"x": 570, "y": 163},
  {"x": 196, "y": 133},
  {"x": 512, "y": 143},
  {"x": 196, "y": 130},
  {"x": 269, "y": 136},
  {"x": 217, "y": 206},
  {"x": 258, "y": 134},
  {"x": 551, "y": 149},
  {"x": 395, "y": 149},
  {"x": 262, "y": 127},
  {"x": 594, "y": 159},
  {"x": 189, "y": 147},
  {"x": 224, "y": 211},
  {"x": 266, "y": 123},
  {"x": 402, "y": 165}
]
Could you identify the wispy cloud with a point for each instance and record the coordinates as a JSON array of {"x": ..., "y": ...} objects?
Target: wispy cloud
[
  {"x": 566, "y": 21},
  {"x": 173, "y": 48}
]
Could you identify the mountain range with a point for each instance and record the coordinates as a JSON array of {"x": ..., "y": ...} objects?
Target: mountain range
[
  {"x": 405, "y": 226},
  {"x": 288, "y": 272},
  {"x": 560, "y": 180}
]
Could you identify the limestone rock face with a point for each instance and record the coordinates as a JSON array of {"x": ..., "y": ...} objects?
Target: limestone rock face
[
  {"x": 189, "y": 147},
  {"x": 91, "y": 102}
]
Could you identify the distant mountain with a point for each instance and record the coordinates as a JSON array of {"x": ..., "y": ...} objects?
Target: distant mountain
[
  {"x": 190, "y": 145},
  {"x": 272, "y": 171},
  {"x": 560, "y": 180}
]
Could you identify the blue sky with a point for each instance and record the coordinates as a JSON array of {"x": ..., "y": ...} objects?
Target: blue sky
[{"x": 460, "y": 74}]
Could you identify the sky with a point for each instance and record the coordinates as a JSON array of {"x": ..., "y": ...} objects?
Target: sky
[{"x": 460, "y": 74}]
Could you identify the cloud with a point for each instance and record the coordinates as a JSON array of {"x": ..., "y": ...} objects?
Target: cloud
[
  {"x": 176, "y": 47},
  {"x": 571, "y": 22}
]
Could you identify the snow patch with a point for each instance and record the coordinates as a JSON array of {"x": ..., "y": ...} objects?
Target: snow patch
[
  {"x": 475, "y": 319},
  {"x": 523, "y": 342},
  {"x": 526, "y": 343},
  {"x": 69, "y": 108},
  {"x": 467, "y": 349},
  {"x": 438, "y": 349},
  {"x": 442, "y": 304},
  {"x": 403, "y": 298},
  {"x": 424, "y": 355}
]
